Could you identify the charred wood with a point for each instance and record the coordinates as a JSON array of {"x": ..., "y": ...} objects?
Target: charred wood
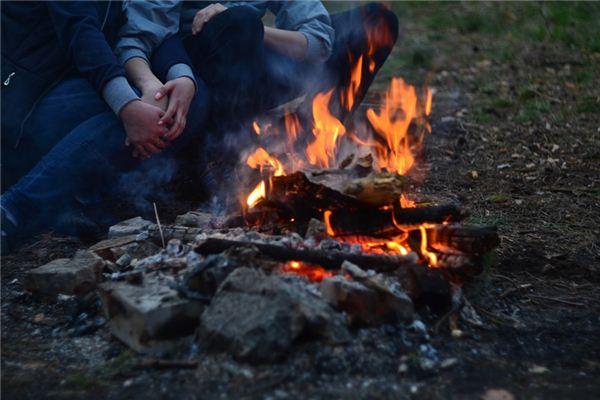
[{"x": 330, "y": 260}]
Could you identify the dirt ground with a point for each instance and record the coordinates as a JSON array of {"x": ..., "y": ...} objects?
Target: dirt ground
[{"x": 516, "y": 137}]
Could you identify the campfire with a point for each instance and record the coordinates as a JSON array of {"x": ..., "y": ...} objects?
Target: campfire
[{"x": 330, "y": 233}]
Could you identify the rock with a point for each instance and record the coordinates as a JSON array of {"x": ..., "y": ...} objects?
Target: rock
[
  {"x": 104, "y": 247},
  {"x": 378, "y": 303},
  {"x": 129, "y": 227},
  {"x": 151, "y": 317},
  {"x": 198, "y": 219},
  {"x": 316, "y": 229},
  {"x": 78, "y": 275},
  {"x": 391, "y": 302},
  {"x": 257, "y": 317}
]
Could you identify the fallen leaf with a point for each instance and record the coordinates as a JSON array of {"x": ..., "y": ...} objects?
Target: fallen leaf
[
  {"x": 497, "y": 198},
  {"x": 538, "y": 369}
]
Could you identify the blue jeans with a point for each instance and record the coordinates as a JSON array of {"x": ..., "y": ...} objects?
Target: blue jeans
[{"x": 90, "y": 157}]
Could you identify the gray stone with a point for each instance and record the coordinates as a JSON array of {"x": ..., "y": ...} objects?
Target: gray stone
[
  {"x": 78, "y": 275},
  {"x": 129, "y": 227},
  {"x": 150, "y": 317},
  {"x": 198, "y": 219},
  {"x": 392, "y": 303},
  {"x": 257, "y": 317}
]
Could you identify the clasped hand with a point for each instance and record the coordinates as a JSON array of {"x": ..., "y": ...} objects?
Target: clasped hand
[{"x": 159, "y": 117}]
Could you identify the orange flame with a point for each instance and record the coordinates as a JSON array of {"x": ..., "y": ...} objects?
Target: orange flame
[
  {"x": 431, "y": 257},
  {"x": 260, "y": 158},
  {"x": 391, "y": 125},
  {"x": 327, "y": 221},
  {"x": 406, "y": 203},
  {"x": 256, "y": 127},
  {"x": 292, "y": 127},
  {"x": 257, "y": 194},
  {"x": 327, "y": 129},
  {"x": 349, "y": 94}
]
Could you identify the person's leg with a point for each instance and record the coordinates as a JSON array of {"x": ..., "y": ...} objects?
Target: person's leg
[
  {"x": 229, "y": 56},
  {"x": 370, "y": 31},
  {"x": 67, "y": 105},
  {"x": 88, "y": 160}
]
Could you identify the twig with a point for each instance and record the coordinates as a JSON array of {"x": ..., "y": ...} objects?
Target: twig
[
  {"x": 571, "y": 303},
  {"x": 162, "y": 237}
]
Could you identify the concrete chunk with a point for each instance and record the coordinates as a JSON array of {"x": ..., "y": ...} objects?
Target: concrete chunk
[
  {"x": 151, "y": 317},
  {"x": 78, "y": 275},
  {"x": 130, "y": 226}
]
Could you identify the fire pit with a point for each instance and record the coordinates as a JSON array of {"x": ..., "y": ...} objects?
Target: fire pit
[{"x": 330, "y": 234}]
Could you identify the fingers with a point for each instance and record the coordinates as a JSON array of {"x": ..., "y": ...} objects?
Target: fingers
[
  {"x": 178, "y": 127},
  {"x": 167, "y": 117},
  {"x": 140, "y": 152},
  {"x": 203, "y": 16},
  {"x": 164, "y": 90}
]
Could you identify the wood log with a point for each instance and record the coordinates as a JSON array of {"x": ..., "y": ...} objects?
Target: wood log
[
  {"x": 331, "y": 260},
  {"x": 391, "y": 221},
  {"x": 466, "y": 239},
  {"x": 378, "y": 189},
  {"x": 306, "y": 199}
]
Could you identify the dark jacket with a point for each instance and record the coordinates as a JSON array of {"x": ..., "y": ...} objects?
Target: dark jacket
[{"x": 42, "y": 42}]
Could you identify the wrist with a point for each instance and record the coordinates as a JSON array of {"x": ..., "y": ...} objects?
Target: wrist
[{"x": 127, "y": 108}]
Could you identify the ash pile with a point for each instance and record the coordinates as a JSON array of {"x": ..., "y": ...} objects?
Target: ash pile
[{"x": 254, "y": 285}]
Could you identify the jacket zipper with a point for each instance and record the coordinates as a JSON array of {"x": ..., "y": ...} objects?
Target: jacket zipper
[{"x": 51, "y": 86}]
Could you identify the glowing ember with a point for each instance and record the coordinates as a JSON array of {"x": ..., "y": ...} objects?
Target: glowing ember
[
  {"x": 327, "y": 129},
  {"x": 314, "y": 273}
]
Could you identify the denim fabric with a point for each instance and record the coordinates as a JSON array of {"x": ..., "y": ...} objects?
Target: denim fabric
[{"x": 91, "y": 158}]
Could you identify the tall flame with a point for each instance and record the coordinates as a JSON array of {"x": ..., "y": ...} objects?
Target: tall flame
[
  {"x": 391, "y": 125},
  {"x": 327, "y": 129},
  {"x": 348, "y": 96}
]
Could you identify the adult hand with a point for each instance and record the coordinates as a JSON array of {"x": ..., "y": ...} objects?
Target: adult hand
[
  {"x": 180, "y": 93},
  {"x": 205, "y": 15},
  {"x": 149, "y": 95},
  {"x": 143, "y": 131}
]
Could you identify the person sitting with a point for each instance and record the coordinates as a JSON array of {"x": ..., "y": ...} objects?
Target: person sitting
[{"x": 72, "y": 121}]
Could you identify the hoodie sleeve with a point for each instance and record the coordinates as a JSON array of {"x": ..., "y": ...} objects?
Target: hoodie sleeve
[
  {"x": 79, "y": 31},
  {"x": 147, "y": 25},
  {"x": 309, "y": 18}
]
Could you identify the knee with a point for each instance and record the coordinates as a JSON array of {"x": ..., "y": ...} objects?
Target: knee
[
  {"x": 245, "y": 24},
  {"x": 384, "y": 23}
]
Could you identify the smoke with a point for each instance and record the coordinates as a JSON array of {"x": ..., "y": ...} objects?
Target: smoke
[{"x": 148, "y": 183}]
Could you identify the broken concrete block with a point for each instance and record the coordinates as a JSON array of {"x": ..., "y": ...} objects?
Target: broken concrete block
[
  {"x": 257, "y": 317},
  {"x": 103, "y": 248},
  {"x": 150, "y": 317},
  {"x": 366, "y": 304},
  {"x": 78, "y": 275},
  {"x": 198, "y": 219},
  {"x": 392, "y": 303},
  {"x": 129, "y": 227}
]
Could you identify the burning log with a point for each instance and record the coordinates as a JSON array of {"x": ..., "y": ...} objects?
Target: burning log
[
  {"x": 330, "y": 260},
  {"x": 465, "y": 239},
  {"x": 307, "y": 199},
  {"x": 389, "y": 221}
]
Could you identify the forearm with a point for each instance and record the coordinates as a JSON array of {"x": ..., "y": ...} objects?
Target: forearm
[
  {"x": 290, "y": 43},
  {"x": 139, "y": 73}
]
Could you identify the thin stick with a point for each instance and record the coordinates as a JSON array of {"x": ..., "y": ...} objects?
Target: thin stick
[{"x": 162, "y": 237}]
